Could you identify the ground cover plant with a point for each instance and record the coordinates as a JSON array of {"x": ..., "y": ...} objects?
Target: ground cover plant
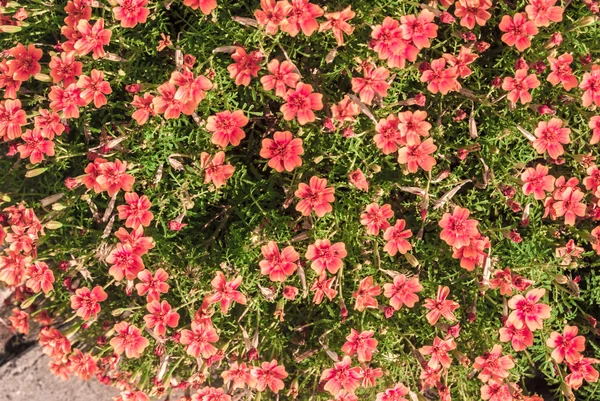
[{"x": 325, "y": 200}]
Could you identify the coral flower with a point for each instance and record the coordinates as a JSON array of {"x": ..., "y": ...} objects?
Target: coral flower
[
  {"x": 215, "y": 169},
  {"x": 594, "y": 124},
  {"x": 388, "y": 135},
  {"x": 278, "y": 266},
  {"x": 461, "y": 61},
  {"x": 77, "y": 10},
  {"x": 439, "y": 352},
  {"x": 402, "y": 291},
  {"x": 300, "y": 103},
  {"x": 527, "y": 311},
  {"x": 358, "y": 179},
  {"x": 561, "y": 72},
  {"x": 458, "y": 229},
  {"x": 497, "y": 391},
  {"x": 10, "y": 85},
  {"x": 373, "y": 82},
  {"x": 541, "y": 12},
  {"x": 67, "y": 100},
  {"x": 206, "y": 6},
  {"x": 580, "y": 370},
  {"x": 137, "y": 211},
  {"x": 365, "y": 294},
  {"x": 519, "y": 86},
  {"x": 86, "y": 301},
  {"x": 245, "y": 66},
  {"x": 271, "y": 375},
  {"x": 376, "y": 218},
  {"x": 226, "y": 127},
  {"x": 12, "y": 118},
  {"x": 570, "y": 205},
  {"x": 25, "y": 62},
  {"x": 94, "y": 88},
  {"x": 167, "y": 103},
  {"x": 395, "y": 393},
  {"x": 125, "y": 263},
  {"x": 566, "y": 346},
  {"x": 440, "y": 306},
  {"x": 19, "y": 320},
  {"x": 190, "y": 89},
  {"x": 441, "y": 79},
  {"x": 338, "y": 24},
  {"x": 550, "y": 137},
  {"x": 131, "y": 12},
  {"x": 240, "y": 375},
  {"x": 396, "y": 238},
  {"x": 345, "y": 110},
  {"x": 302, "y": 17},
  {"x": 83, "y": 365},
  {"x": 49, "y": 123},
  {"x": 493, "y": 366},
  {"x": 272, "y": 14},
  {"x": 520, "y": 338},
  {"x": 112, "y": 177},
  {"x": 283, "y": 151},
  {"x": 342, "y": 376},
  {"x": 35, "y": 146},
  {"x": 363, "y": 344},
  {"x": 413, "y": 126},
  {"x": 386, "y": 39},
  {"x": 472, "y": 255},
  {"x": 40, "y": 278},
  {"x": 282, "y": 76},
  {"x": 537, "y": 182},
  {"x": 590, "y": 83},
  {"x": 473, "y": 12},
  {"x": 315, "y": 196},
  {"x": 419, "y": 29},
  {"x": 93, "y": 38},
  {"x": 161, "y": 315},
  {"x": 129, "y": 340},
  {"x": 152, "y": 285},
  {"x": 144, "y": 108},
  {"x": 65, "y": 68},
  {"x": 226, "y": 292},
  {"x": 136, "y": 239},
  {"x": 418, "y": 155},
  {"x": 325, "y": 256},
  {"x": 322, "y": 287},
  {"x": 198, "y": 341},
  {"x": 518, "y": 31}
]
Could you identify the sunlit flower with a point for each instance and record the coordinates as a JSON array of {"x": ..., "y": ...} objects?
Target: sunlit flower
[
  {"x": 86, "y": 301},
  {"x": 40, "y": 277},
  {"x": 245, "y": 66},
  {"x": 227, "y": 127},
  {"x": 270, "y": 374},
  {"x": 125, "y": 263},
  {"x": 300, "y": 103},
  {"x": 570, "y": 205},
  {"x": 282, "y": 76},
  {"x": 226, "y": 292},
  {"x": 272, "y": 13},
  {"x": 358, "y": 179},
  {"x": 365, "y": 294},
  {"x": 342, "y": 376},
  {"x": 561, "y": 71},
  {"x": 67, "y": 100},
  {"x": 239, "y": 375},
  {"x": 278, "y": 265},
  {"x": 441, "y": 79},
  {"x": 473, "y": 12},
  {"x": 537, "y": 182},
  {"x": 65, "y": 68},
  {"x": 527, "y": 311},
  {"x": 439, "y": 352},
  {"x": 302, "y": 17},
  {"x": 419, "y": 29},
  {"x": 338, "y": 24},
  {"x": 363, "y": 344},
  {"x": 161, "y": 315},
  {"x": 520, "y": 339},
  {"x": 35, "y": 146},
  {"x": 315, "y": 196},
  {"x": 325, "y": 256},
  {"x": 440, "y": 306},
  {"x": 374, "y": 81},
  {"x": 493, "y": 366},
  {"x": 93, "y": 38},
  {"x": 402, "y": 291},
  {"x": 590, "y": 83},
  {"x": 418, "y": 155},
  {"x": 215, "y": 169},
  {"x": 396, "y": 236},
  {"x": 542, "y": 12},
  {"x": 128, "y": 340},
  {"x": 153, "y": 286},
  {"x": 519, "y": 86},
  {"x": 206, "y": 6},
  {"x": 566, "y": 346},
  {"x": 25, "y": 62},
  {"x": 517, "y": 31},
  {"x": 131, "y": 12}
]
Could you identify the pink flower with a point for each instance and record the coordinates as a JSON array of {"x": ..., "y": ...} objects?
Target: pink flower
[
  {"x": 519, "y": 86},
  {"x": 590, "y": 83},
  {"x": 93, "y": 38},
  {"x": 473, "y": 254},
  {"x": 388, "y": 135},
  {"x": 315, "y": 196},
  {"x": 94, "y": 88},
  {"x": 440, "y": 306},
  {"x": 413, "y": 126},
  {"x": 493, "y": 366},
  {"x": 458, "y": 229},
  {"x": 358, "y": 179},
  {"x": 167, "y": 103},
  {"x": 322, "y": 287},
  {"x": 419, "y": 29},
  {"x": 418, "y": 155},
  {"x": 144, "y": 108},
  {"x": 337, "y": 22},
  {"x": 527, "y": 311},
  {"x": 85, "y": 302},
  {"x": 226, "y": 292},
  {"x": 541, "y": 12},
  {"x": 342, "y": 376},
  {"x": 67, "y": 100},
  {"x": 215, "y": 169},
  {"x": 518, "y": 31},
  {"x": 245, "y": 66},
  {"x": 125, "y": 263},
  {"x": 40, "y": 278},
  {"x": 363, "y": 344},
  {"x": 283, "y": 75},
  {"x": 65, "y": 68},
  {"x": 570, "y": 205},
  {"x": 206, "y": 6},
  {"x": 580, "y": 370},
  {"x": 25, "y": 62},
  {"x": 550, "y": 137},
  {"x": 112, "y": 177},
  {"x": 396, "y": 238},
  {"x": 226, "y": 128},
  {"x": 137, "y": 211},
  {"x": 136, "y": 239},
  {"x": 594, "y": 124},
  {"x": 270, "y": 374},
  {"x": 35, "y": 146},
  {"x": 387, "y": 41},
  {"x": 131, "y": 12},
  {"x": 283, "y": 151},
  {"x": 473, "y": 12},
  {"x": 402, "y": 291},
  {"x": 83, "y": 365},
  {"x": 395, "y": 393},
  {"x": 272, "y": 14},
  {"x": 519, "y": 338},
  {"x": 497, "y": 391},
  {"x": 278, "y": 265},
  {"x": 376, "y": 218},
  {"x": 365, "y": 294},
  {"x": 373, "y": 82},
  {"x": 441, "y": 79},
  {"x": 191, "y": 90},
  {"x": 240, "y": 375},
  {"x": 199, "y": 339},
  {"x": 537, "y": 182},
  {"x": 49, "y": 123},
  {"x": 325, "y": 256},
  {"x": 153, "y": 286},
  {"x": 566, "y": 346},
  {"x": 561, "y": 71},
  {"x": 345, "y": 110},
  {"x": 128, "y": 339},
  {"x": 300, "y": 103},
  {"x": 302, "y": 17},
  {"x": 461, "y": 62},
  {"x": 161, "y": 315},
  {"x": 439, "y": 352}
]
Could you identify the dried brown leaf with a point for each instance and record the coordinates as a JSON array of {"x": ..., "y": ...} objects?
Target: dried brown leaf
[
  {"x": 449, "y": 195},
  {"x": 246, "y": 21},
  {"x": 225, "y": 49},
  {"x": 363, "y": 107}
]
